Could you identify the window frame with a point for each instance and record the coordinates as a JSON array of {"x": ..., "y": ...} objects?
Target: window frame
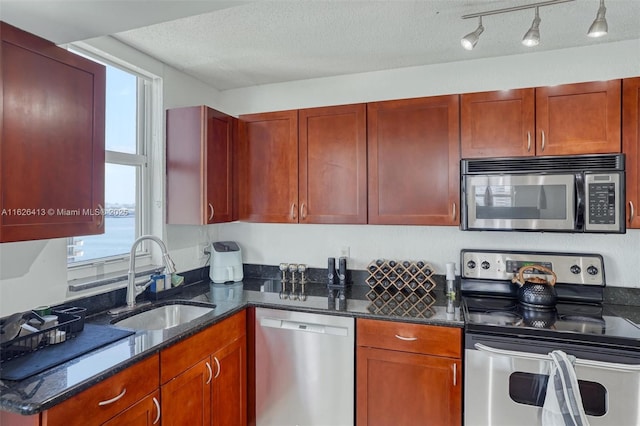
[{"x": 149, "y": 110}]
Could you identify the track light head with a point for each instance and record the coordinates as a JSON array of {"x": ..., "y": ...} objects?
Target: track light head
[
  {"x": 470, "y": 40},
  {"x": 599, "y": 26},
  {"x": 532, "y": 37}
]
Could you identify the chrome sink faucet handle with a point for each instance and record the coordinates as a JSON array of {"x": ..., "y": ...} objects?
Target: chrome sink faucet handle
[
  {"x": 302, "y": 269},
  {"x": 293, "y": 268},
  {"x": 283, "y": 268}
]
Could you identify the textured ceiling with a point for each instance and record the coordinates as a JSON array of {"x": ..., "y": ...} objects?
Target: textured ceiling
[{"x": 235, "y": 44}]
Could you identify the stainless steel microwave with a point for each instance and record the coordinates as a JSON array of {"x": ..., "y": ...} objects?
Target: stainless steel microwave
[{"x": 582, "y": 193}]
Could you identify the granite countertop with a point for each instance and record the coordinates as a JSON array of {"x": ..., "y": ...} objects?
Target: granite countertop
[{"x": 42, "y": 391}]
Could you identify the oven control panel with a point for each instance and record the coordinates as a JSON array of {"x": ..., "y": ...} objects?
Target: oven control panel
[{"x": 503, "y": 265}]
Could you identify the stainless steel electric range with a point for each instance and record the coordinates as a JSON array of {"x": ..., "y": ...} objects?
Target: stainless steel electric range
[{"x": 507, "y": 343}]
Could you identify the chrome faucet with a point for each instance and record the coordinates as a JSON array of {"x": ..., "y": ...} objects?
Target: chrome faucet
[{"x": 132, "y": 289}]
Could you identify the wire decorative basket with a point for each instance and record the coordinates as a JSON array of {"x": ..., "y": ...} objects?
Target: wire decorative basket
[{"x": 401, "y": 288}]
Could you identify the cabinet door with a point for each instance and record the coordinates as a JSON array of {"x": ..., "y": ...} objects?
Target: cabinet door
[
  {"x": 186, "y": 399},
  {"x": 582, "y": 118},
  {"x": 399, "y": 388},
  {"x": 268, "y": 167},
  {"x": 230, "y": 385},
  {"x": 199, "y": 166},
  {"x": 413, "y": 152},
  {"x": 497, "y": 124},
  {"x": 107, "y": 398},
  {"x": 52, "y": 146},
  {"x": 631, "y": 147},
  {"x": 333, "y": 164},
  {"x": 145, "y": 412}
]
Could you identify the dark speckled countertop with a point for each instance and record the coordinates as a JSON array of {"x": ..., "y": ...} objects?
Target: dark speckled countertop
[{"x": 42, "y": 391}]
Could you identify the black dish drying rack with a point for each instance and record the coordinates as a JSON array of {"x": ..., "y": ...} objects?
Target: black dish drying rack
[{"x": 70, "y": 323}]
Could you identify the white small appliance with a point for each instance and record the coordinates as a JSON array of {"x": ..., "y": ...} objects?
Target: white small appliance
[{"x": 226, "y": 262}]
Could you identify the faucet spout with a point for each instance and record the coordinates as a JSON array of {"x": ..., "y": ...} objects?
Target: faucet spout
[{"x": 170, "y": 267}]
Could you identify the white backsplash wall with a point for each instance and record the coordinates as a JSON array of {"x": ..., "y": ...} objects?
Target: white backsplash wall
[{"x": 271, "y": 244}]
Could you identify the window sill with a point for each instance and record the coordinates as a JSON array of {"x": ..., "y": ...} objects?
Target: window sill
[{"x": 116, "y": 277}]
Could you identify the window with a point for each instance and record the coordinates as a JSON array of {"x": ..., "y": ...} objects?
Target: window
[{"x": 126, "y": 171}]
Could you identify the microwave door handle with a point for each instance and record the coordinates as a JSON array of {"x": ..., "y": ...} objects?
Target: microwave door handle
[{"x": 580, "y": 202}]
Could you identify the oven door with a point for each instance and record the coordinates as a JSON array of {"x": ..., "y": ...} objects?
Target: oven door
[
  {"x": 508, "y": 386},
  {"x": 519, "y": 202}
]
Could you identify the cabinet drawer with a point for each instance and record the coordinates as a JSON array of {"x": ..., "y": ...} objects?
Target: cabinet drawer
[
  {"x": 133, "y": 384},
  {"x": 181, "y": 356},
  {"x": 416, "y": 338}
]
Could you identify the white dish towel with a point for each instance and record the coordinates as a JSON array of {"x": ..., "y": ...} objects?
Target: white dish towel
[{"x": 562, "y": 403}]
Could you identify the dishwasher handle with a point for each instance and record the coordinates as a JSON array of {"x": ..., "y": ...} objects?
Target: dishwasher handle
[{"x": 303, "y": 326}]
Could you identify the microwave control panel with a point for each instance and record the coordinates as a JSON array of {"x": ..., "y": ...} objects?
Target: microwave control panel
[{"x": 603, "y": 198}]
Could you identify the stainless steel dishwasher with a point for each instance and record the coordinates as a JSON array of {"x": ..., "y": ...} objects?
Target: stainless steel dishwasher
[{"x": 304, "y": 369}]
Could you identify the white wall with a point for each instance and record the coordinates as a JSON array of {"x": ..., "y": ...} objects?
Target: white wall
[{"x": 34, "y": 273}]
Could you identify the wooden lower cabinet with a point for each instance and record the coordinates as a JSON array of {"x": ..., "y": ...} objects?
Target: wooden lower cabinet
[
  {"x": 415, "y": 382},
  {"x": 145, "y": 412},
  {"x": 204, "y": 378},
  {"x": 110, "y": 398},
  {"x": 186, "y": 399}
]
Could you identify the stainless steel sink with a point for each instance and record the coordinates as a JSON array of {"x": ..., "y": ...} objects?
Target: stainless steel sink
[{"x": 164, "y": 316}]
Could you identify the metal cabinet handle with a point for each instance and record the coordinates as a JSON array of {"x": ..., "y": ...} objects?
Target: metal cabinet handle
[
  {"x": 528, "y": 141},
  {"x": 293, "y": 211},
  {"x": 542, "y": 131},
  {"x": 101, "y": 210},
  {"x": 114, "y": 399},
  {"x": 453, "y": 212},
  {"x": 210, "y": 372},
  {"x": 455, "y": 374},
  {"x": 406, "y": 339},
  {"x": 632, "y": 211},
  {"x": 155, "y": 401},
  {"x": 303, "y": 211},
  {"x": 212, "y": 212},
  {"x": 217, "y": 367}
]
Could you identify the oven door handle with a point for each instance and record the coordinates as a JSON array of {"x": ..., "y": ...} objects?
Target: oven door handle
[{"x": 625, "y": 368}]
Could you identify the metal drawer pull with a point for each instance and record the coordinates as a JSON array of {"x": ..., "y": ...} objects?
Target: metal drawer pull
[
  {"x": 114, "y": 399},
  {"x": 453, "y": 214},
  {"x": 217, "y": 366},
  {"x": 632, "y": 211},
  {"x": 155, "y": 401},
  {"x": 539, "y": 357},
  {"x": 212, "y": 212},
  {"x": 528, "y": 141},
  {"x": 455, "y": 374},
  {"x": 303, "y": 212},
  {"x": 542, "y": 131},
  {"x": 293, "y": 211},
  {"x": 210, "y": 373},
  {"x": 406, "y": 339}
]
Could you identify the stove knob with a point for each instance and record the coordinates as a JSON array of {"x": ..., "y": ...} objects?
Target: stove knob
[
  {"x": 485, "y": 265},
  {"x": 592, "y": 270},
  {"x": 575, "y": 269},
  {"x": 471, "y": 264}
]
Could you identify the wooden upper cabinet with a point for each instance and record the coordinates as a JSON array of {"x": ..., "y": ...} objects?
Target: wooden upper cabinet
[
  {"x": 631, "y": 147},
  {"x": 497, "y": 124},
  {"x": 581, "y": 118},
  {"x": 199, "y": 166},
  {"x": 52, "y": 127},
  {"x": 413, "y": 153},
  {"x": 333, "y": 164},
  {"x": 570, "y": 119},
  {"x": 268, "y": 167}
]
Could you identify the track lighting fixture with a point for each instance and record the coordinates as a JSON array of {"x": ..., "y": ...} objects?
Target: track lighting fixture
[
  {"x": 599, "y": 26},
  {"x": 470, "y": 40},
  {"x": 532, "y": 37}
]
